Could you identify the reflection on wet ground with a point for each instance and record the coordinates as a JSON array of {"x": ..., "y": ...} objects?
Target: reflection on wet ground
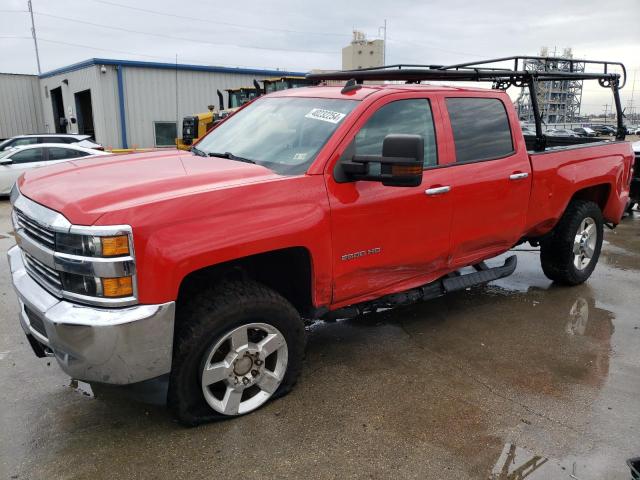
[{"x": 517, "y": 379}]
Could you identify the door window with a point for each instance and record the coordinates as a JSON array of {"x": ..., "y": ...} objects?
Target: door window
[
  {"x": 480, "y": 127},
  {"x": 29, "y": 155},
  {"x": 24, "y": 141},
  {"x": 56, "y": 153},
  {"x": 411, "y": 116}
]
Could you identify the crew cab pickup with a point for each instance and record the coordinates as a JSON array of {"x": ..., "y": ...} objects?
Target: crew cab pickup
[{"x": 307, "y": 203}]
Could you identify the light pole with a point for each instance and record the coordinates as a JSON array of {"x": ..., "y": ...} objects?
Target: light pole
[{"x": 33, "y": 34}]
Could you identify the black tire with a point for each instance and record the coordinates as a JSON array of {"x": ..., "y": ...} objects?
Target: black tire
[
  {"x": 204, "y": 319},
  {"x": 556, "y": 251}
]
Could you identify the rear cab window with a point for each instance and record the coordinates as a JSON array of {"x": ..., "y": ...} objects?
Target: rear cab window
[{"x": 481, "y": 129}]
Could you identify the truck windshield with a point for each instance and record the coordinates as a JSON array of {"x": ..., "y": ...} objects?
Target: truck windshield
[{"x": 283, "y": 134}]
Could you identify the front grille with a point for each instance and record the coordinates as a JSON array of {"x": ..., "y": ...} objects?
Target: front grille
[
  {"x": 38, "y": 233},
  {"x": 45, "y": 276},
  {"x": 35, "y": 321}
]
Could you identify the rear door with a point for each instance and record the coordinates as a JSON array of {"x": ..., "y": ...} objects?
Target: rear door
[
  {"x": 389, "y": 237},
  {"x": 490, "y": 177}
]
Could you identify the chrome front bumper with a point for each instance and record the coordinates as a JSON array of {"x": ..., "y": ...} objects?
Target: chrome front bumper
[{"x": 108, "y": 345}]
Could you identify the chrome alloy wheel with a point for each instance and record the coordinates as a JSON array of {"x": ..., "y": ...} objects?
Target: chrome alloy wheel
[
  {"x": 584, "y": 243},
  {"x": 244, "y": 368}
]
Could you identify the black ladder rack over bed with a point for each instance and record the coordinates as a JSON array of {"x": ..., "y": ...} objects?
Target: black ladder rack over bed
[{"x": 502, "y": 78}]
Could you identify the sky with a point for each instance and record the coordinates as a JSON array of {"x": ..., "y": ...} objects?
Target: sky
[{"x": 305, "y": 35}]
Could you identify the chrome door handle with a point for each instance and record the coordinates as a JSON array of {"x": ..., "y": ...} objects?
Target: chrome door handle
[
  {"x": 437, "y": 190},
  {"x": 518, "y": 176}
]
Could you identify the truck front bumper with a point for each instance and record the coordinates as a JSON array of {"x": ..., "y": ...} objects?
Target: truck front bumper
[{"x": 107, "y": 345}]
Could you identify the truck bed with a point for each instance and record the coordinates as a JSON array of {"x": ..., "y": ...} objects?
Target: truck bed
[{"x": 598, "y": 171}]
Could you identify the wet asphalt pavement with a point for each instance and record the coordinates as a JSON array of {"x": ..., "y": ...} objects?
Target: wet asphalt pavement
[{"x": 519, "y": 375}]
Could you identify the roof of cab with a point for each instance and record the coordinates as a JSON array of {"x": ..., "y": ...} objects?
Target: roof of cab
[{"x": 366, "y": 90}]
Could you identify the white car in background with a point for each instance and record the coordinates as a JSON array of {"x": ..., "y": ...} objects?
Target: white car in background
[
  {"x": 64, "y": 138},
  {"x": 15, "y": 161}
]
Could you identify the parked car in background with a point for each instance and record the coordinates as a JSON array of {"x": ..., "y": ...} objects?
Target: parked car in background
[
  {"x": 561, "y": 132},
  {"x": 585, "y": 132},
  {"x": 604, "y": 129},
  {"x": 65, "y": 138},
  {"x": 15, "y": 161}
]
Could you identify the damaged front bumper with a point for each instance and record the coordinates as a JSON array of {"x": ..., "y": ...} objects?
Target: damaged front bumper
[{"x": 107, "y": 345}]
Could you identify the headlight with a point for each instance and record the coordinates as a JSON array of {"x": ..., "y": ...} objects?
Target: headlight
[
  {"x": 96, "y": 265},
  {"x": 92, "y": 246}
]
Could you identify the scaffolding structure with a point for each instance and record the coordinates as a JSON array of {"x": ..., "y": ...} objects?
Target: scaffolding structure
[{"x": 559, "y": 100}]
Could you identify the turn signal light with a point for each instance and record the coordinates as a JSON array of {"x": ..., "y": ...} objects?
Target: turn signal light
[
  {"x": 113, "y": 246},
  {"x": 406, "y": 170},
  {"x": 117, "y": 287}
]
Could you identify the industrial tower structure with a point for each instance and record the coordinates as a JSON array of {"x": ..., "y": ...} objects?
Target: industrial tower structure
[{"x": 560, "y": 100}]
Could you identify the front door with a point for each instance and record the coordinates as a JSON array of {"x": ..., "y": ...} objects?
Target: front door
[
  {"x": 21, "y": 161},
  {"x": 389, "y": 237}
]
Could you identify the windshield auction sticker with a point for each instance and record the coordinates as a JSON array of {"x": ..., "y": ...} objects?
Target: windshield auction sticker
[{"x": 325, "y": 115}]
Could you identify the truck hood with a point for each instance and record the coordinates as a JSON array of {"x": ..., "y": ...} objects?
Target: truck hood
[{"x": 83, "y": 190}]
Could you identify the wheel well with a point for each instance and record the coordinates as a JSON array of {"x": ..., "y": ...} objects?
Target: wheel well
[
  {"x": 597, "y": 193},
  {"x": 287, "y": 271}
]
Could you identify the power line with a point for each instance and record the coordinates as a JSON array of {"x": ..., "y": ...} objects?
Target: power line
[
  {"x": 235, "y": 25},
  {"x": 129, "y": 52},
  {"x": 174, "y": 37}
]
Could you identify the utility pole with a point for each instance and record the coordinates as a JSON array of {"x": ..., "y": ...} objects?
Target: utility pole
[
  {"x": 384, "y": 42},
  {"x": 33, "y": 34},
  {"x": 384, "y": 48},
  {"x": 606, "y": 109}
]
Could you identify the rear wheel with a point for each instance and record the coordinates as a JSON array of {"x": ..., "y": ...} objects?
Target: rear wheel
[
  {"x": 570, "y": 254},
  {"x": 237, "y": 346}
]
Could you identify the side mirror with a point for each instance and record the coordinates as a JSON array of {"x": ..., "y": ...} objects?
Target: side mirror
[
  {"x": 400, "y": 164},
  {"x": 5, "y": 161}
]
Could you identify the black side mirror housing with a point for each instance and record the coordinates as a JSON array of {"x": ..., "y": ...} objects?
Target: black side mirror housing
[{"x": 400, "y": 163}]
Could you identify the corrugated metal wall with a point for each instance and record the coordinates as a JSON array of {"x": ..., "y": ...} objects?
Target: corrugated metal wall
[
  {"x": 20, "y": 106},
  {"x": 104, "y": 100},
  {"x": 150, "y": 96}
]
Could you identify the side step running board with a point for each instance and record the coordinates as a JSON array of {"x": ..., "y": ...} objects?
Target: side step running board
[
  {"x": 461, "y": 282},
  {"x": 432, "y": 290}
]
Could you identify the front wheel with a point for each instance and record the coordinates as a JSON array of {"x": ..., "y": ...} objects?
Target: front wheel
[
  {"x": 570, "y": 254},
  {"x": 237, "y": 346}
]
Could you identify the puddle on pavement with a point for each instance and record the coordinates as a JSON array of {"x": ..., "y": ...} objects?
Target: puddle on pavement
[{"x": 517, "y": 463}]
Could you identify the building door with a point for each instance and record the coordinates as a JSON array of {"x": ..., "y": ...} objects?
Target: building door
[
  {"x": 58, "y": 110},
  {"x": 84, "y": 113}
]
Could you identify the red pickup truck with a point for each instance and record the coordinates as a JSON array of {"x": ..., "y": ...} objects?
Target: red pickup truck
[{"x": 307, "y": 203}]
